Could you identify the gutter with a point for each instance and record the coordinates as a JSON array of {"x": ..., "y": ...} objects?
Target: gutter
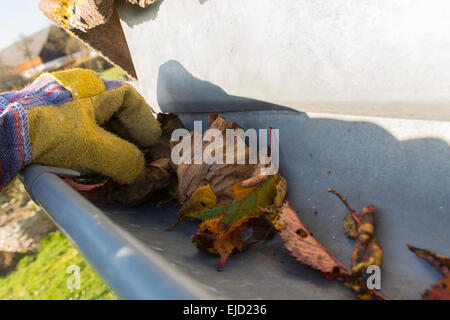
[{"x": 131, "y": 270}]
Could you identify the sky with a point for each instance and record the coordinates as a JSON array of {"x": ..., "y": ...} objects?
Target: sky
[{"x": 20, "y": 17}]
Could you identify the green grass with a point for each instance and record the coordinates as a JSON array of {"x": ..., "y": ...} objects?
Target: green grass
[
  {"x": 115, "y": 73},
  {"x": 43, "y": 275}
]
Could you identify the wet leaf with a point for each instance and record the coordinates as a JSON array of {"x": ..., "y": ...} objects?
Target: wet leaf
[{"x": 304, "y": 247}]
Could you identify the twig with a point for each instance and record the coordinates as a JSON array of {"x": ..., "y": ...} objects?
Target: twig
[
  {"x": 343, "y": 199},
  {"x": 379, "y": 295}
]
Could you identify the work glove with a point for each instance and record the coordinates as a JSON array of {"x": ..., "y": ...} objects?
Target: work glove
[{"x": 66, "y": 119}]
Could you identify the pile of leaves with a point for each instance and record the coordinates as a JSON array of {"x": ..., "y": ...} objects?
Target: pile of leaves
[
  {"x": 229, "y": 199},
  {"x": 238, "y": 207}
]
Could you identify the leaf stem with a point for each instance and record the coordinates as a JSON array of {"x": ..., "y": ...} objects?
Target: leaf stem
[
  {"x": 343, "y": 199},
  {"x": 380, "y": 295}
]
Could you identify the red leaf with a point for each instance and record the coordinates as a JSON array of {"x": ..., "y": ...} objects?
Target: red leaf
[
  {"x": 304, "y": 247},
  {"x": 439, "y": 262},
  {"x": 440, "y": 291}
]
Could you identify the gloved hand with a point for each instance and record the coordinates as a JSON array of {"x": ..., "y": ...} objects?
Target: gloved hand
[{"x": 61, "y": 120}]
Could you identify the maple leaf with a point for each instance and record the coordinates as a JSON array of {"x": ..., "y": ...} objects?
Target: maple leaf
[
  {"x": 304, "y": 247},
  {"x": 441, "y": 263}
]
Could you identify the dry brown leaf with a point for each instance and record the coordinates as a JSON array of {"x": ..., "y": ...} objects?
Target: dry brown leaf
[
  {"x": 441, "y": 263},
  {"x": 217, "y": 237},
  {"x": 309, "y": 251},
  {"x": 367, "y": 249},
  {"x": 366, "y": 252},
  {"x": 156, "y": 176},
  {"x": 301, "y": 244},
  {"x": 162, "y": 150},
  {"x": 221, "y": 177},
  {"x": 253, "y": 181}
]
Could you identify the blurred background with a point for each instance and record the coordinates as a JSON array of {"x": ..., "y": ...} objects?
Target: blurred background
[{"x": 34, "y": 256}]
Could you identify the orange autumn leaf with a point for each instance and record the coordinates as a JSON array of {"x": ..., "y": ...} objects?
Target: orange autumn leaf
[
  {"x": 217, "y": 237},
  {"x": 265, "y": 194},
  {"x": 241, "y": 192},
  {"x": 440, "y": 291},
  {"x": 256, "y": 210},
  {"x": 203, "y": 198}
]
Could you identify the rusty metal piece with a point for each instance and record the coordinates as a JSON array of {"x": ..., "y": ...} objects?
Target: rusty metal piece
[{"x": 106, "y": 38}]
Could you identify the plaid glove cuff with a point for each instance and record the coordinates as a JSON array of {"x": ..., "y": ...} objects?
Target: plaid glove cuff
[
  {"x": 15, "y": 145},
  {"x": 49, "y": 89}
]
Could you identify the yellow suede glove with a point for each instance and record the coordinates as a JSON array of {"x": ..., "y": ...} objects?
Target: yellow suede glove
[{"x": 70, "y": 135}]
